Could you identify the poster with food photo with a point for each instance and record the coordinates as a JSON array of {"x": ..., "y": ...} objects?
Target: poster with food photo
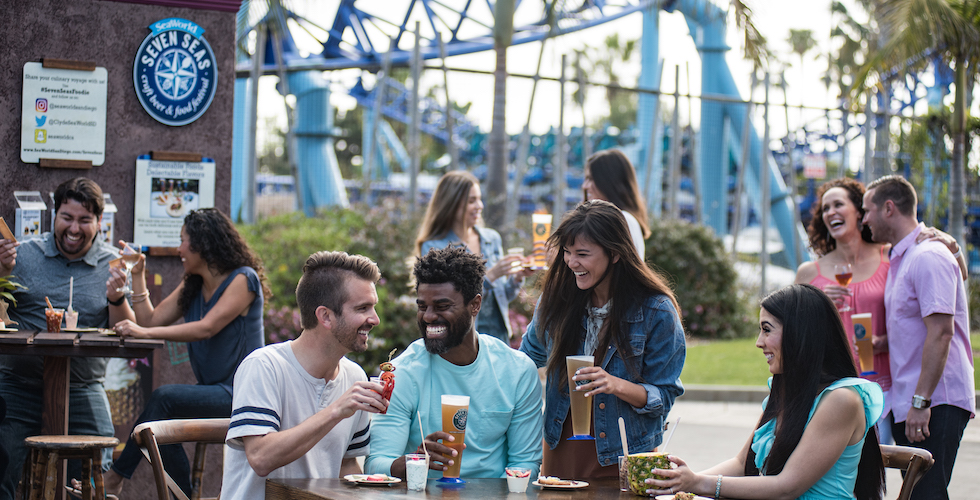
[{"x": 165, "y": 192}]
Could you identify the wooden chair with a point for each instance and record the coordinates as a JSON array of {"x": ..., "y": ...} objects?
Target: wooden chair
[
  {"x": 914, "y": 462},
  {"x": 41, "y": 469},
  {"x": 203, "y": 431}
]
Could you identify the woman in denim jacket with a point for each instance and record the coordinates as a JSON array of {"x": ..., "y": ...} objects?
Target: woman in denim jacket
[
  {"x": 454, "y": 217},
  {"x": 599, "y": 298}
]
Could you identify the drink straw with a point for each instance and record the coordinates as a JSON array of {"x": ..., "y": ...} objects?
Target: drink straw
[
  {"x": 622, "y": 436},
  {"x": 423, "y": 436},
  {"x": 49, "y": 303},
  {"x": 71, "y": 290},
  {"x": 677, "y": 422}
]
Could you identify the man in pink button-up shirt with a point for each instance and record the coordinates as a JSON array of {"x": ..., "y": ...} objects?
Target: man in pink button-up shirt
[{"x": 931, "y": 361}]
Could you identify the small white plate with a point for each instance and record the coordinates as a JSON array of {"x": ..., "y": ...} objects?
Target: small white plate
[
  {"x": 671, "y": 497},
  {"x": 80, "y": 330},
  {"x": 363, "y": 479},
  {"x": 574, "y": 486},
  {"x": 5, "y": 329}
]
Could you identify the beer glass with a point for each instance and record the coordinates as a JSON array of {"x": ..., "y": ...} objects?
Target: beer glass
[
  {"x": 581, "y": 405},
  {"x": 454, "y": 411},
  {"x": 862, "y": 340},
  {"x": 540, "y": 230}
]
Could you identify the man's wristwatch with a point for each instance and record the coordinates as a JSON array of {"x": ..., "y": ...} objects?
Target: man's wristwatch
[{"x": 920, "y": 403}]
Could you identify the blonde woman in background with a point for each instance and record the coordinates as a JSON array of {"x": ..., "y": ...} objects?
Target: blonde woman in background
[{"x": 455, "y": 217}]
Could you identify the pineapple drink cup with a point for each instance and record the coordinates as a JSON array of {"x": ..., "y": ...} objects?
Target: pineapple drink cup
[{"x": 638, "y": 468}]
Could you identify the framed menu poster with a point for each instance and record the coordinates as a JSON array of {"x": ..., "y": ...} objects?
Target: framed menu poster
[{"x": 165, "y": 192}]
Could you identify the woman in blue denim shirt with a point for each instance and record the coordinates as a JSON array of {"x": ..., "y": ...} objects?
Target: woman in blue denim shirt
[
  {"x": 598, "y": 298},
  {"x": 454, "y": 217}
]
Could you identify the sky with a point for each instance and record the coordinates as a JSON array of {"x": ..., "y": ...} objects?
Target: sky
[{"x": 774, "y": 19}]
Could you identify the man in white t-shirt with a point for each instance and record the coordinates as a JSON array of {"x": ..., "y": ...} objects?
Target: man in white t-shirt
[{"x": 300, "y": 408}]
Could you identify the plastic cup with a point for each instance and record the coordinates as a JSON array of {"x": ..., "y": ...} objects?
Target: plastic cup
[
  {"x": 71, "y": 320},
  {"x": 862, "y": 339},
  {"x": 53, "y": 317},
  {"x": 519, "y": 252},
  {"x": 454, "y": 411},
  {"x": 416, "y": 471},
  {"x": 624, "y": 480},
  {"x": 517, "y": 478},
  {"x": 581, "y": 406},
  {"x": 540, "y": 230}
]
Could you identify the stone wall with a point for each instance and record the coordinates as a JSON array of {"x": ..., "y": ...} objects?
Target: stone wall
[{"x": 109, "y": 34}]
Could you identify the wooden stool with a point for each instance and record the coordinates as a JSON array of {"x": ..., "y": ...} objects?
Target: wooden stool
[{"x": 40, "y": 480}]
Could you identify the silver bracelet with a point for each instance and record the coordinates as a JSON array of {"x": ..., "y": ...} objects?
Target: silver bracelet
[{"x": 718, "y": 487}]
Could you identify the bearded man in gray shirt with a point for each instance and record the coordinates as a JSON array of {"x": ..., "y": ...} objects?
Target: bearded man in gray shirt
[{"x": 45, "y": 266}]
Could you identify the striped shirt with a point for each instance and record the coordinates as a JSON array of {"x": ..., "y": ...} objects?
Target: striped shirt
[{"x": 274, "y": 392}]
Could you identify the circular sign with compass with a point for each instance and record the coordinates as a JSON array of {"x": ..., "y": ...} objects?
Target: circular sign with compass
[{"x": 175, "y": 72}]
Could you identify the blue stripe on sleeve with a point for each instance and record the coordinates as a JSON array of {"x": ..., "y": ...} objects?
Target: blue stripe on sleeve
[
  {"x": 251, "y": 421},
  {"x": 256, "y": 409},
  {"x": 354, "y": 446}
]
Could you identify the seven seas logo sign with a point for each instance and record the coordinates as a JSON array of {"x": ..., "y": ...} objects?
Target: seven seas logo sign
[{"x": 175, "y": 72}]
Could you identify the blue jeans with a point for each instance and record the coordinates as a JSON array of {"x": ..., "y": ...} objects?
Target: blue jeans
[
  {"x": 88, "y": 414},
  {"x": 168, "y": 402},
  {"x": 946, "y": 427}
]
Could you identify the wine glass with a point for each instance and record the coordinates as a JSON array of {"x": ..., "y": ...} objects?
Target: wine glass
[
  {"x": 130, "y": 255},
  {"x": 843, "y": 275}
]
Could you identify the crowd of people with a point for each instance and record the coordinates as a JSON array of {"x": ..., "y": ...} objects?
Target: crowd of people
[{"x": 301, "y": 408}]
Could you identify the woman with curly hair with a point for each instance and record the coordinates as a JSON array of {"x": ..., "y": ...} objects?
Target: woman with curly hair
[
  {"x": 220, "y": 300},
  {"x": 838, "y": 236},
  {"x": 815, "y": 439}
]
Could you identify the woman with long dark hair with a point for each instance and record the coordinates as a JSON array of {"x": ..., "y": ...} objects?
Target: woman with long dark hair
[
  {"x": 610, "y": 176},
  {"x": 600, "y": 299},
  {"x": 455, "y": 217},
  {"x": 816, "y": 438},
  {"x": 220, "y": 300}
]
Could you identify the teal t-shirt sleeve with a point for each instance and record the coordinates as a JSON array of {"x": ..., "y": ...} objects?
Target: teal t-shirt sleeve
[{"x": 526, "y": 429}]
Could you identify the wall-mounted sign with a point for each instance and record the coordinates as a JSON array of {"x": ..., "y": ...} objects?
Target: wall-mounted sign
[
  {"x": 165, "y": 192},
  {"x": 63, "y": 114},
  {"x": 175, "y": 72},
  {"x": 29, "y": 214}
]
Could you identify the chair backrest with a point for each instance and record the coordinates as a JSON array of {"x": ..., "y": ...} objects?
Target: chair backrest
[
  {"x": 915, "y": 462},
  {"x": 203, "y": 431}
]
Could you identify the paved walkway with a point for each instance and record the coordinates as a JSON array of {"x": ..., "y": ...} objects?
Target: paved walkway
[{"x": 713, "y": 431}]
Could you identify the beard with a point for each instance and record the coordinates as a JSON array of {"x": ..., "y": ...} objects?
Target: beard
[
  {"x": 347, "y": 336},
  {"x": 455, "y": 334}
]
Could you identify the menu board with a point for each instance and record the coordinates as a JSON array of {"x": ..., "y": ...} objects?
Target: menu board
[
  {"x": 63, "y": 116},
  {"x": 165, "y": 192}
]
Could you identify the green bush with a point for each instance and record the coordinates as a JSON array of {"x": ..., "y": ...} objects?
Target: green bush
[
  {"x": 385, "y": 233},
  {"x": 702, "y": 277}
]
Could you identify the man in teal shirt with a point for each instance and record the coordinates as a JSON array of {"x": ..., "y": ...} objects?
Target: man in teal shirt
[{"x": 504, "y": 424}]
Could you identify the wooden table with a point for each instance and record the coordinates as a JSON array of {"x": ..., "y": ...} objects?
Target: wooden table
[
  {"x": 474, "y": 489},
  {"x": 57, "y": 349}
]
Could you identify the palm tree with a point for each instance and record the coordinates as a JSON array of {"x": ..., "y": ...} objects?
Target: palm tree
[
  {"x": 801, "y": 41},
  {"x": 950, "y": 28},
  {"x": 503, "y": 32}
]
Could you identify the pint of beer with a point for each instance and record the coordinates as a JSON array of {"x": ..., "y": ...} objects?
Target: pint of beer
[
  {"x": 581, "y": 405},
  {"x": 454, "y": 411},
  {"x": 540, "y": 230},
  {"x": 862, "y": 340}
]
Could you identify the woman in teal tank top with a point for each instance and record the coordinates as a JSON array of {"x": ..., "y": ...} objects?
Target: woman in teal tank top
[{"x": 813, "y": 440}]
